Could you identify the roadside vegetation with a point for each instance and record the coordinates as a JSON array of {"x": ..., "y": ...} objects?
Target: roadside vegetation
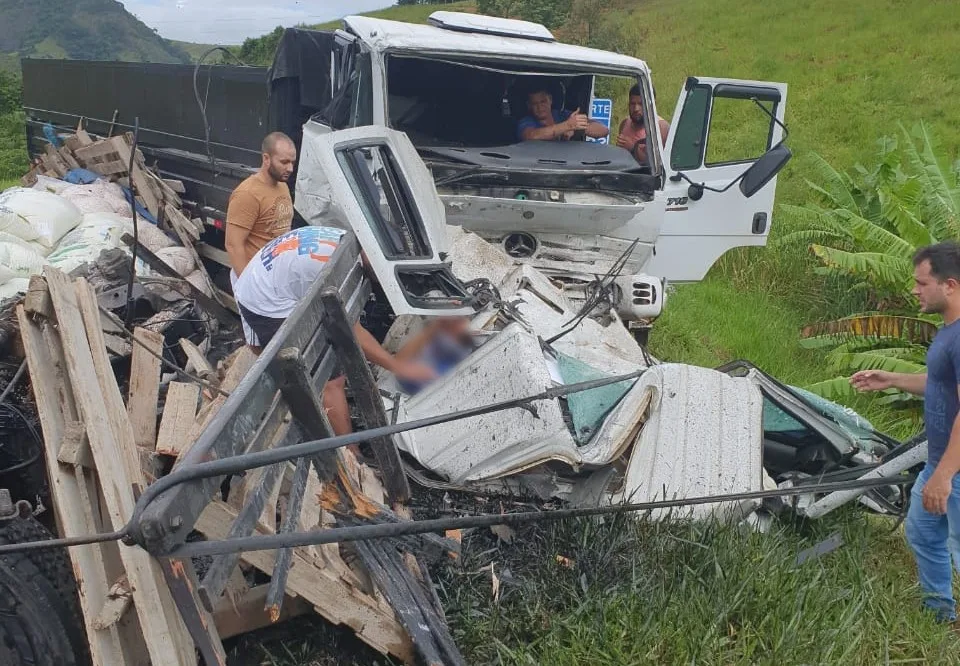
[
  {"x": 13, "y": 150},
  {"x": 626, "y": 592}
]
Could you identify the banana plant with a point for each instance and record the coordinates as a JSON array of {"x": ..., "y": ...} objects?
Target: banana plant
[{"x": 866, "y": 226}]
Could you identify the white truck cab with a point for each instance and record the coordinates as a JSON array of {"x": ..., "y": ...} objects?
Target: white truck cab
[{"x": 575, "y": 209}]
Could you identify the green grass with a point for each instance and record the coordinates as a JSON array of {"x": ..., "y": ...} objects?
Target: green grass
[
  {"x": 847, "y": 87},
  {"x": 646, "y": 593}
]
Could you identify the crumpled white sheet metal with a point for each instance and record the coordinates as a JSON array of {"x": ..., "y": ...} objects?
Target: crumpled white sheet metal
[
  {"x": 704, "y": 436},
  {"x": 508, "y": 366}
]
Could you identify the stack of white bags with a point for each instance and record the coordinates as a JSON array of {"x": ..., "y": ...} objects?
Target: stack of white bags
[{"x": 67, "y": 225}]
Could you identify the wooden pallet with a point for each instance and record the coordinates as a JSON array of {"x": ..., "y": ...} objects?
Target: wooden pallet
[{"x": 128, "y": 609}]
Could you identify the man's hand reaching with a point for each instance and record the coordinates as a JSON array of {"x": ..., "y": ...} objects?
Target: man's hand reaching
[
  {"x": 872, "y": 380},
  {"x": 414, "y": 372}
]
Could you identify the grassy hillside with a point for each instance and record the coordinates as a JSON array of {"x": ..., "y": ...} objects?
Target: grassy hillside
[
  {"x": 853, "y": 68},
  {"x": 847, "y": 89},
  {"x": 88, "y": 29}
]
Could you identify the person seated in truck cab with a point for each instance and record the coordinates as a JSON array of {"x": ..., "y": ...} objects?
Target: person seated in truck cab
[
  {"x": 632, "y": 135},
  {"x": 548, "y": 124}
]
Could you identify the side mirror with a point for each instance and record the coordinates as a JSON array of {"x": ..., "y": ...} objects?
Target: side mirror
[{"x": 764, "y": 169}]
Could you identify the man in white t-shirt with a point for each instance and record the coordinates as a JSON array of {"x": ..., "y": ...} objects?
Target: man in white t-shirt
[{"x": 272, "y": 285}]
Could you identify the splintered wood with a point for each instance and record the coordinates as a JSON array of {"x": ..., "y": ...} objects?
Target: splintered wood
[
  {"x": 111, "y": 157},
  {"x": 74, "y": 384},
  {"x": 101, "y": 452}
]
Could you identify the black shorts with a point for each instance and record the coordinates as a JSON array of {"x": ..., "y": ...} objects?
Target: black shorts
[{"x": 264, "y": 327}]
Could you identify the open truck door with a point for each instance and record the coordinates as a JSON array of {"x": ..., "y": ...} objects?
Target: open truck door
[
  {"x": 722, "y": 156},
  {"x": 371, "y": 180}
]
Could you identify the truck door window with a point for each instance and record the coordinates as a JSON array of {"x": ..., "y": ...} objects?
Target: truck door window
[
  {"x": 739, "y": 131},
  {"x": 352, "y": 104},
  {"x": 385, "y": 198},
  {"x": 690, "y": 132},
  {"x": 723, "y": 125}
]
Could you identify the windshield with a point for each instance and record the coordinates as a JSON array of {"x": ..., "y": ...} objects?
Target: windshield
[{"x": 439, "y": 102}]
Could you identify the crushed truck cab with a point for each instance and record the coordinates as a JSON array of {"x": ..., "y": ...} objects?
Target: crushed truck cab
[{"x": 672, "y": 431}]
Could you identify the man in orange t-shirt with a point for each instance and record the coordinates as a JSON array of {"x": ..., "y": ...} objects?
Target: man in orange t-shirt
[
  {"x": 261, "y": 208},
  {"x": 633, "y": 135}
]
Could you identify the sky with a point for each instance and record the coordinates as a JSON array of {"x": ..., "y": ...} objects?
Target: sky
[{"x": 232, "y": 21}]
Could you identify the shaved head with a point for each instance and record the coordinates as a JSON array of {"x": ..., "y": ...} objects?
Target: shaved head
[
  {"x": 273, "y": 140},
  {"x": 279, "y": 156}
]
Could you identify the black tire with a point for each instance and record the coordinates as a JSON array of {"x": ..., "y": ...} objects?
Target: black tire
[
  {"x": 40, "y": 584},
  {"x": 31, "y": 633}
]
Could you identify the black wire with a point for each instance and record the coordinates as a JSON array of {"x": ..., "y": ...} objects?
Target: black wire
[
  {"x": 408, "y": 528},
  {"x": 136, "y": 229},
  {"x": 612, "y": 274},
  {"x": 203, "y": 103},
  {"x": 13, "y": 381},
  {"x": 439, "y": 525},
  {"x": 36, "y": 438}
]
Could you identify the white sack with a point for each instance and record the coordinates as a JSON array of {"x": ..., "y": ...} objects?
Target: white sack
[{"x": 49, "y": 215}]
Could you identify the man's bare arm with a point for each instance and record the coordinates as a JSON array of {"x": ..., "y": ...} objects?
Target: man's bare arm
[
  {"x": 939, "y": 487},
  {"x": 664, "y": 131},
  {"x": 236, "y": 246},
  {"x": 376, "y": 354},
  {"x": 596, "y": 130},
  {"x": 880, "y": 380},
  {"x": 548, "y": 133},
  {"x": 242, "y": 212},
  {"x": 915, "y": 383}
]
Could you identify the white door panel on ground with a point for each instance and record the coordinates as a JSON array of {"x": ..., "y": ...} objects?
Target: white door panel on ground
[{"x": 717, "y": 133}]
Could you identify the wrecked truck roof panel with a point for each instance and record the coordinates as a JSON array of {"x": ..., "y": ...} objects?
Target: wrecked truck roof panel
[
  {"x": 384, "y": 35},
  {"x": 704, "y": 436},
  {"x": 511, "y": 365}
]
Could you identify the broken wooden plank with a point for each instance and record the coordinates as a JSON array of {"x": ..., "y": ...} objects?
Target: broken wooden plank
[
  {"x": 144, "y": 386},
  {"x": 67, "y": 156},
  {"x": 206, "y": 302},
  {"x": 260, "y": 485},
  {"x": 88, "y": 565},
  {"x": 139, "y": 178},
  {"x": 182, "y": 579},
  {"x": 37, "y": 300},
  {"x": 247, "y": 614},
  {"x": 281, "y": 568},
  {"x": 95, "y": 151},
  {"x": 332, "y": 598},
  {"x": 119, "y": 600},
  {"x": 179, "y": 413},
  {"x": 182, "y": 226},
  {"x": 175, "y": 185},
  {"x": 214, "y": 254},
  {"x": 366, "y": 394},
  {"x": 114, "y": 452},
  {"x": 74, "y": 448},
  {"x": 197, "y": 362}
]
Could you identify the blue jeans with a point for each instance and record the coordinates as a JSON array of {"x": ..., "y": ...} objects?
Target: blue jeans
[{"x": 935, "y": 540}]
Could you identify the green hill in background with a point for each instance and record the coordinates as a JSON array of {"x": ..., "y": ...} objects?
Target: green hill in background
[{"x": 83, "y": 29}]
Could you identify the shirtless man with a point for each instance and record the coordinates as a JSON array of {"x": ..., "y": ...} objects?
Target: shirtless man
[
  {"x": 632, "y": 135},
  {"x": 546, "y": 124}
]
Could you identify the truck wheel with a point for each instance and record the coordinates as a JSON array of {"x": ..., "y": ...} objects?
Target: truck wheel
[
  {"x": 31, "y": 633},
  {"x": 39, "y": 606}
]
